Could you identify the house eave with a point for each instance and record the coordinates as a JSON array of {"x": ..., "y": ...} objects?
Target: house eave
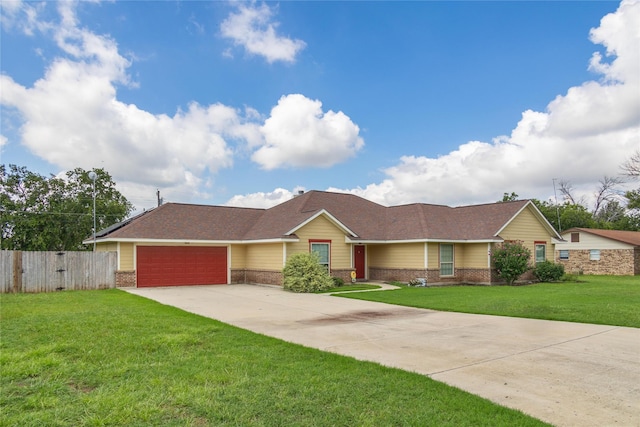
[
  {"x": 194, "y": 241},
  {"x": 396, "y": 241}
]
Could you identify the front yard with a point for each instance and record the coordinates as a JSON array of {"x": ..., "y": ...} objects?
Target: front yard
[
  {"x": 608, "y": 300},
  {"x": 111, "y": 358}
]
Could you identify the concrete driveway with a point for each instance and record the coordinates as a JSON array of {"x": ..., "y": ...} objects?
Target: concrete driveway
[{"x": 568, "y": 374}]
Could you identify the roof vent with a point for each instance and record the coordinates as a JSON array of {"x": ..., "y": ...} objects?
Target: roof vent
[{"x": 300, "y": 192}]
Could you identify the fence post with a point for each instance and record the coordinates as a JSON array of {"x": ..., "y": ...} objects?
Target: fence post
[{"x": 17, "y": 271}]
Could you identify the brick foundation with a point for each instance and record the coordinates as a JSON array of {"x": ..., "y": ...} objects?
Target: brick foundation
[
  {"x": 126, "y": 279},
  {"x": 395, "y": 274},
  {"x": 615, "y": 262},
  {"x": 344, "y": 274},
  {"x": 262, "y": 277},
  {"x": 461, "y": 275}
]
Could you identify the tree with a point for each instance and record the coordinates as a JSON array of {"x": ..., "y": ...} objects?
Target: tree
[
  {"x": 511, "y": 260},
  {"x": 632, "y": 166},
  {"x": 53, "y": 213},
  {"x": 631, "y": 169},
  {"x": 506, "y": 197},
  {"x": 571, "y": 215}
]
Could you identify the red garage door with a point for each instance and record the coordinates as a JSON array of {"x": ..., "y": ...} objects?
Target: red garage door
[{"x": 180, "y": 266}]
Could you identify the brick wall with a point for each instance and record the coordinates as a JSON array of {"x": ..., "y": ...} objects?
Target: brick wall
[
  {"x": 343, "y": 273},
  {"x": 263, "y": 277},
  {"x": 126, "y": 279},
  {"x": 612, "y": 262},
  {"x": 395, "y": 274},
  {"x": 474, "y": 275},
  {"x": 238, "y": 276},
  {"x": 461, "y": 275}
]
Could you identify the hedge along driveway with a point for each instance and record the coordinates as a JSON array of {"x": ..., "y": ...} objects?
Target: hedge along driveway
[{"x": 563, "y": 373}]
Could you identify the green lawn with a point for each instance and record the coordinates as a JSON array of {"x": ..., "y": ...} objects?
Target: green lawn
[
  {"x": 108, "y": 358},
  {"x": 349, "y": 288},
  {"x": 608, "y": 300}
]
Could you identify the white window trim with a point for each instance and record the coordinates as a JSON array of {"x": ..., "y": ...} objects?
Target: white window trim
[{"x": 594, "y": 254}]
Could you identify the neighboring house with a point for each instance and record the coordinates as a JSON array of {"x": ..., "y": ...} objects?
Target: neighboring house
[
  {"x": 182, "y": 244},
  {"x": 593, "y": 251}
]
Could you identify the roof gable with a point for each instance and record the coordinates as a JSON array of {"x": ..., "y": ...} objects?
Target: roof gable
[{"x": 628, "y": 237}]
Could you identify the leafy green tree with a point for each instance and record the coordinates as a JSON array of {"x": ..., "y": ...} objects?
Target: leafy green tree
[
  {"x": 506, "y": 197},
  {"x": 631, "y": 168},
  {"x": 39, "y": 213},
  {"x": 511, "y": 260},
  {"x": 571, "y": 215},
  {"x": 304, "y": 273}
]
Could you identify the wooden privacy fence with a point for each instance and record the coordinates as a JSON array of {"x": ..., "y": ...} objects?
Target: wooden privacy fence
[{"x": 24, "y": 271}]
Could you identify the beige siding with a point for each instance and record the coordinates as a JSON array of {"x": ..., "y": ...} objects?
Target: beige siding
[
  {"x": 434, "y": 255},
  {"x": 475, "y": 255},
  {"x": 526, "y": 228},
  {"x": 126, "y": 257},
  {"x": 323, "y": 229},
  {"x": 590, "y": 241},
  {"x": 398, "y": 255},
  {"x": 107, "y": 247},
  {"x": 264, "y": 256},
  {"x": 238, "y": 256}
]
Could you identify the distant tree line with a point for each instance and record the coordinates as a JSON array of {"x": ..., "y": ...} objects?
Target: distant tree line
[
  {"x": 40, "y": 213},
  {"x": 611, "y": 209}
]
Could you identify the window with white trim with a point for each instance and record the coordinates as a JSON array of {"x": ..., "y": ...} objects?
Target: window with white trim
[
  {"x": 594, "y": 255},
  {"x": 541, "y": 252},
  {"x": 564, "y": 254},
  {"x": 323, "y": 249},
  {"x": 446, "y": 259}
]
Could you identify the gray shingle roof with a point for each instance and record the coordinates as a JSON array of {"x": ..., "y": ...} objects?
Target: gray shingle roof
[{"x": 368, "y": 220}]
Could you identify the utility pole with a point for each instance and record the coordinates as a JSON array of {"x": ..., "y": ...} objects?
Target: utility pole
[
  {"x": 557, "y": 208},
  {"x": 93, "y": 177}
]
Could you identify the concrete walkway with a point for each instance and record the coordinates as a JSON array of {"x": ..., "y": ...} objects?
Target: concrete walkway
[{"x": 568, "y": 374}]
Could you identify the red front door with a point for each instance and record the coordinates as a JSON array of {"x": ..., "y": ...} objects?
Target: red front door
[{"x": 358, "y": 260}]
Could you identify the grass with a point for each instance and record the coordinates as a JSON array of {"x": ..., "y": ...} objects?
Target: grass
[
  {"x": 608, "y": 300},
  {"x": 108, "y": 358},
  {"x": 349, "y": 288}
]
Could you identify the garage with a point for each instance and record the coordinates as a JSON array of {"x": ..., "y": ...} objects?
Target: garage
[{"x": 181, "y": 266}]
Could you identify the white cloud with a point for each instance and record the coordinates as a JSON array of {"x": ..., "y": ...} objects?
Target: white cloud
[
  {"x": 72, "y": 117},
  {"x": 262, "y": 199},
  {"x": 581, "y": 137},
  {"x": 299, "y": 134},
  {"x": 252, "y": 27}
]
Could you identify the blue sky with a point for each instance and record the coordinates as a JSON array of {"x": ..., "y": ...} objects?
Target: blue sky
[{"x": 399, "y": 102}]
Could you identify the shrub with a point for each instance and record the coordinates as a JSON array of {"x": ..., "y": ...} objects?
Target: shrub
[
  {"x": 511, "y": 260},
  {"x": 303, "y": 273},
  {"x": 548, "y": 271},
  {"x": 337, "y": 282}
]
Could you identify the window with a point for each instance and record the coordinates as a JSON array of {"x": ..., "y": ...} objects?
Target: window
[
  {"x": 446, "y": 259},
  {"x": 541, "y": 251},
  {"x": 575, "y": 237},
  {"x": 323, "y": 249},
  {"x": 594, "y": 255},
  {"x": 564, "y": 254}
]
